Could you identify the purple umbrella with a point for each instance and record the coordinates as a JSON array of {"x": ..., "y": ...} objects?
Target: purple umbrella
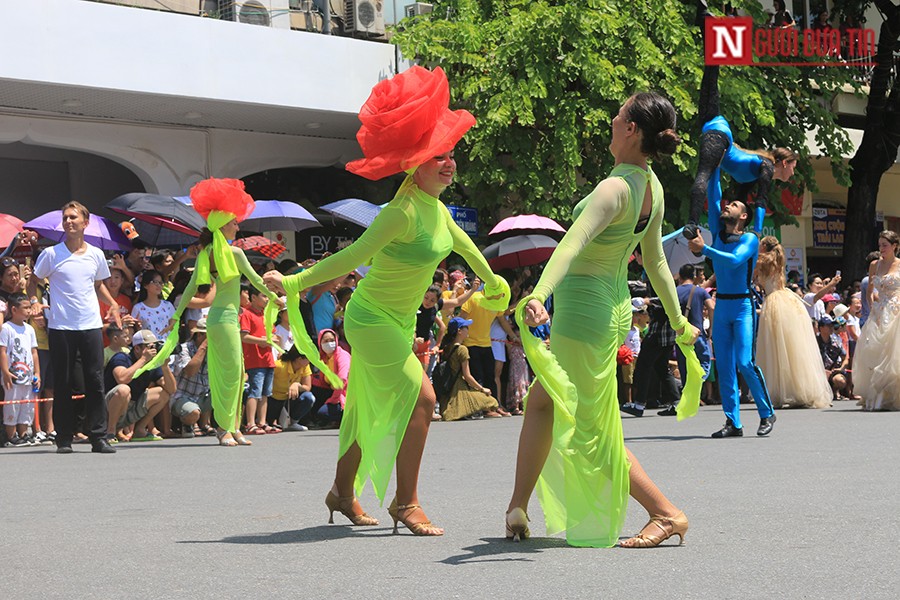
[
  {"x": 279, "y": 215},
  {"x": 100, "y": 232}
]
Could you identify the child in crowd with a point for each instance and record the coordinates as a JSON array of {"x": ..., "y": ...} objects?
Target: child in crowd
[
  {"x": 258, "y": 362},
  {"x": 291, "y": 389},
  {"x": 343, "y": 296},
  {"x": 639, "y": 321},
  {"x": 429, "y": 315},
  {"x": 283, "y": 331},
  {"x": 20, "y": 369},
  {"x": 151, "y": 311}
]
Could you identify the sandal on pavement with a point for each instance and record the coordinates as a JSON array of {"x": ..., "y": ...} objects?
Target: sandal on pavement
[
  {"x": 517, "y": 525},
  {"x": 423, "y": 528},
  {"x": 344, "y": 505},
  {"x": 229, "y": 442},
  {"x": 669, "y": 526}
]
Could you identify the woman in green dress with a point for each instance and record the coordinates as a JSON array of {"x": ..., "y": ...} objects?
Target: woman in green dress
[
  {"x": 223, "y": 203},
  {"x": 407, "y": 126},
  {"x": 571, "y": 446}
]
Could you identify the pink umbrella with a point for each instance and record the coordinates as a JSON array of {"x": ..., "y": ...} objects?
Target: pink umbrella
[
  {"x": 527, "y": 224},
  {"x": 10, "y": 226}
]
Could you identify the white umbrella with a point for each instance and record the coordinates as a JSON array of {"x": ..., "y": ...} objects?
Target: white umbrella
[
  {"x": 675, "y": 247},
  {"x": 360, "y": 212}
]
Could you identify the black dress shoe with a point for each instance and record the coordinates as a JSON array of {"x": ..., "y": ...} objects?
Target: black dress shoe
[
  {"x": 766, "y": 425},
  {"x": 669, "y": 412},
  {"x": 729, "y": 431},
  {"x": 64, "y": 449},
  {"x": 631, "y": 409},
  {"x": 102, "y": 446}
]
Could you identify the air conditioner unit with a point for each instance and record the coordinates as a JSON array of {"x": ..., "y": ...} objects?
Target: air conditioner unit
[
  {"x": 269, "y": 13},
  {"x": 365, "y": 17},
  {"x": 419, "y": 8}
]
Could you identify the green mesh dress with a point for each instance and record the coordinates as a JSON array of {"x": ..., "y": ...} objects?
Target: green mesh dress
[
  {"x": 405, "y": 244},
  {"x": 583, "y": 488},
  {"x": 224, "y": 354}
]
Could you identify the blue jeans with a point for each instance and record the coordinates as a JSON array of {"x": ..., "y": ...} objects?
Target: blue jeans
[
  {"x": 331, "y": 412},
  {"x": 260, "y": 382},
  {"x": 297, "y": 409}
]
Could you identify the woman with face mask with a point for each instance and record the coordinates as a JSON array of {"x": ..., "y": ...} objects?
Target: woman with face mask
[{"x": 338, "y": 361}]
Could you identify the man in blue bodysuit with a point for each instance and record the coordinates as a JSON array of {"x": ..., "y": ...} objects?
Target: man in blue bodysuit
[{"x": 733, "y": 254}]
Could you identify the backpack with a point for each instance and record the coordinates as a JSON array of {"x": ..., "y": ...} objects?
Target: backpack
[{"x": 444, "y": 377}]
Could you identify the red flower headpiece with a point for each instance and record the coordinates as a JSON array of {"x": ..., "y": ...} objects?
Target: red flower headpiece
[
  {"x": 406, "y": 121},
  {"x": 226, "y": 195}
]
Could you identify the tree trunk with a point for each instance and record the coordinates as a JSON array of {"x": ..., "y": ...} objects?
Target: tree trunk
[{"x": 877, "y": 152}]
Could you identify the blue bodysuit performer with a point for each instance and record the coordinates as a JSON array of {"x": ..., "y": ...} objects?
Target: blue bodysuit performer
[
  {"x": 733, "y": 252},
  {"x": 718, "y": 151},
  {"x": 733, "y": 256}
]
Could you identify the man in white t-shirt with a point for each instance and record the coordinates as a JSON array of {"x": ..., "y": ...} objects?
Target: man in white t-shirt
[
  {"x": 817, "y": 290},
  {"x": 76, "y": 271}
]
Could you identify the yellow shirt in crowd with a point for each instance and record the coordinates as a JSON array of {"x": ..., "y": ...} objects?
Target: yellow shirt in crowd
[
  {"x": 285, "y": 375},
  {"x": 480, "y": 329}
]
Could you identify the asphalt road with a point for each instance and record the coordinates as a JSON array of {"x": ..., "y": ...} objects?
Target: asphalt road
[{"x": 811, "y": 512}]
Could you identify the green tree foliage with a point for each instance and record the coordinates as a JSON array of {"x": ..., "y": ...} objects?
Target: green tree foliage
[{"x": 544, "y": 78}]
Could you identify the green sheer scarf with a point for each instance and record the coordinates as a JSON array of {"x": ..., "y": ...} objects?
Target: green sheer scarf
[
  {"x": 293, "y": 285},
  {"x": 556, "y": 381}
]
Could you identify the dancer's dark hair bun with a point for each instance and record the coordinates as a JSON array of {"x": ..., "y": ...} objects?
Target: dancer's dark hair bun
[
  {"x": 654, "y": 115},
  {"x": 667, "y": 142}
]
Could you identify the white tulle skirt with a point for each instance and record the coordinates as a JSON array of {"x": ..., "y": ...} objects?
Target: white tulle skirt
[
  {"x": 876, "y": 364},
  {"x": 788, "y": 354}
]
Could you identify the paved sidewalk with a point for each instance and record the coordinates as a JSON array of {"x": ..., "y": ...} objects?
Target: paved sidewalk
[{"x": 810, "y": 512}]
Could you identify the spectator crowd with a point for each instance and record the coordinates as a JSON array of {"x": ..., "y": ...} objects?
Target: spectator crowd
[{"x": 473, "y": 355}]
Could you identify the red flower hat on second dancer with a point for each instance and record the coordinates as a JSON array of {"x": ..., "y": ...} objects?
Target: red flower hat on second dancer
[{"x": 405, "y": 122}]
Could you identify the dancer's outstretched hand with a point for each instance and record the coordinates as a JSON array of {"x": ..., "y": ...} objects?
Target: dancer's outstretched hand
[
  {"x": 695, "y": 333},
  {"x": 273, "y": 280},
  {"x": 535, "y": 313}
]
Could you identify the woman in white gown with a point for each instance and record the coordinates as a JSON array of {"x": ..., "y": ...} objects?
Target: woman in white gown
[
  {"x": 786, "y": 347},
  {"x": 876, "y": 365}
]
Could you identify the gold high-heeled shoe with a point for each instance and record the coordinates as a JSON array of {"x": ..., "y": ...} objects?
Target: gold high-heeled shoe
[
  {"x": 421, "y": 528},
  {"x": 677, "y": 525},
  {"x": 344, "y": 505},
  {"x": 517, "y": 525}
]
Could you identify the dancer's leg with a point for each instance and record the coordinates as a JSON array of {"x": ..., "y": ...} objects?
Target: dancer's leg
[
  {"x": 534, "y": 445},
  {"x": 713, "y": 145},
  {"x": 347, "y": 466},
  {"x": 655, "y": 503},
  {"x": 726, "y": 362},
  {"x": 645, "y": 491},
  {"x": 409, "y": 458},
  {"x": 745, "y": 352}
]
